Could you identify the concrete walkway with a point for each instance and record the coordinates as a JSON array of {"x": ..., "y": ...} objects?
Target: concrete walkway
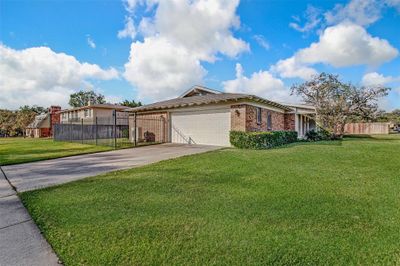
[{"x": 21, "y": 242}]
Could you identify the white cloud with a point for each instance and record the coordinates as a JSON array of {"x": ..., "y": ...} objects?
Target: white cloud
[
  {"x": 313, "y": 18},
  {"x": 348, "y": 44},
  {"x": 201, "y": 26},
  {"x": 41, "y": 76},
  {"x": 113, "y": 99},
  {"x": 146, "y": 27},
  {"x": 343, "y": 45},
  {"x": 262, "y": 41},
  {"x": 394, "y": 3},
  {"x": 130, "y": 5},
  {"x": 161, "y": 69},
  {"x": 374, "y": 78},
  {"x": 129, "y": 30},
  {"x": 261, "y": 83},
  {"x": 169, "y": 58},
  {"x": 290, "y": 68},
  {"x": 90, "y": 42},
  {"x": 361, "y": 12}
]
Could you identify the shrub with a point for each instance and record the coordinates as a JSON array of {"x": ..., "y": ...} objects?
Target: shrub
[
  {"x": 316, "y": 135},
  {"x": 261, "y": 140}
]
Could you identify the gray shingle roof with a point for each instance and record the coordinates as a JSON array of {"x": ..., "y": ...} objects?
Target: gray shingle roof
[
  {"x": 38, "y": 121},
  {"x": 203, "y": 100}
]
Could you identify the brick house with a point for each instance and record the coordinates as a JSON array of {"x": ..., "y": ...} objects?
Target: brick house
[
  {"x": 205, "y": 116},
  {"x": 42, "y": 125}
]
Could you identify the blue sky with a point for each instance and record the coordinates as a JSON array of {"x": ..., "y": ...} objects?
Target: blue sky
[{"x": 152, "y": 49}]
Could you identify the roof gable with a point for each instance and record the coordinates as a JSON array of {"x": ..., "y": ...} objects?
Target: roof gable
[
  {"x": 198, "y": 91},
  {"x": 38, "y": 121}
]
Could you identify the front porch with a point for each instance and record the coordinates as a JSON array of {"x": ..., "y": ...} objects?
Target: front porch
[{"x": 304, "y": 123}]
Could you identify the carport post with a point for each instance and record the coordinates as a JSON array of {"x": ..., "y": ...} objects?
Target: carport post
[
  {"x": 115, "y": 129},
  {"x": 82, "y": 130},
  {"x": 134, "y": 130},
  {"x": 96, "y": 131}
]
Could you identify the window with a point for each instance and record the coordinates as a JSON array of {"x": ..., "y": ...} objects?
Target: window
[
  {"x": 259, "y": 115},
  {"x": 269, "y": 121},
  {"x": 87, "y": 113}
]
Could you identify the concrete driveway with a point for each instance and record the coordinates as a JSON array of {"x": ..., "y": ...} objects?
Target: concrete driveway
[
  {"x": 21, "y": 242},
  {"x": 30, "y": 176}
]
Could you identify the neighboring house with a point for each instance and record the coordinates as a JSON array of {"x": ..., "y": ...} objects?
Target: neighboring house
[
  {"x": 88, "y": 114},
  {"x": 205, "y": 116},
  {"x": 42, "y": 126}
]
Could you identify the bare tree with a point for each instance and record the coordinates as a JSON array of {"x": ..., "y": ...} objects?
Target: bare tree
[{"x": 336, "y": 102}]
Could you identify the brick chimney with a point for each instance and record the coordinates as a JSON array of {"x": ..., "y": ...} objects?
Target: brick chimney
[{"x": 54, "y": 117}]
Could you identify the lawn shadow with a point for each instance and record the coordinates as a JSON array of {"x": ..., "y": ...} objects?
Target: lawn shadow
[
  {"x": 313, "y": 143},
  {"x": 390, "y": 137}
]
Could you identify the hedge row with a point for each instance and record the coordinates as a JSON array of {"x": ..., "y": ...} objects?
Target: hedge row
[{"x": 261, "y": 140}]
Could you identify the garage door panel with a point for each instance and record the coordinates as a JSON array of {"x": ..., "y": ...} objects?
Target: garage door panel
[{"x": 209, "y": 127}]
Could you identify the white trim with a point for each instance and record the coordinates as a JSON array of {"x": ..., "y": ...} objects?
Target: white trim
[
  {"x": 201, "y": 108},
  {"x": 265, "y": 106},
  {"x": 198, "y": 88}
]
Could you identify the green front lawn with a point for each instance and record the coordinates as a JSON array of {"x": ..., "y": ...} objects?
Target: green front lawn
[
  {"x": 314, "y": 203},
  {"x": 20, "y": 150}
]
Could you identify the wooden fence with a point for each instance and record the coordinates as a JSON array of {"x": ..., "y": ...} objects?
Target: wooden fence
[{"x": 366, "y": 128}]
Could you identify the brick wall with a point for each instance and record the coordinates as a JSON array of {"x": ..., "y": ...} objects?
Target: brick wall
[
  {"x": 45, "y": 132},
  {"x": 244, "y": 118},
  {"x": 251, "y": 119},
  {"x": 290, "y": 122},
  {"x": 238, "y": 117},
  {"x": 54, "y": 117}
]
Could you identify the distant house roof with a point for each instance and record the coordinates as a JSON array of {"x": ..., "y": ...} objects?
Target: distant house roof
[
  {"x": 208, "y": 98},
  {"x": 39, "y": 119},
  {"x": 101, "y": 106}
]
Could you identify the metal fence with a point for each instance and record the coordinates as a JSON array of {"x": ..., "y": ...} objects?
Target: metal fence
[{"x": 115, "y": 131}]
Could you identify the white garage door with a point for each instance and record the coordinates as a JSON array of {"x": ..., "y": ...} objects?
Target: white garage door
[{"x": 210, "y": 127}]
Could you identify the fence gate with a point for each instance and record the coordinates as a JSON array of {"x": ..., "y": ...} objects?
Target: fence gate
[{"x": 119, "y": 131}]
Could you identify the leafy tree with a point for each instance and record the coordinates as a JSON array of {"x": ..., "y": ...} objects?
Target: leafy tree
[
  {"x": 132, "y": 103},
  {"x": 7, "y": 121},
  {"x": 338, "y": 103},
  {"x": 14, "y": 123},
  {"x": 82, "y": 98},
  {"x": 393, "y": 117},
  {"x": 34, "y": 108}
]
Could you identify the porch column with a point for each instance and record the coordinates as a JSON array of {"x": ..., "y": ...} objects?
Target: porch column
[{"x": 301, "y": 126}]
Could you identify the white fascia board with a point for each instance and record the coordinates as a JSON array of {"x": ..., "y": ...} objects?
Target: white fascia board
[{"x": 261, "y": 105}]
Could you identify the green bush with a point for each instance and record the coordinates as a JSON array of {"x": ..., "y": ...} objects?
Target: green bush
[
  {"x": 261, "y": 140},
  {"x": 317, "y": 135}
]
